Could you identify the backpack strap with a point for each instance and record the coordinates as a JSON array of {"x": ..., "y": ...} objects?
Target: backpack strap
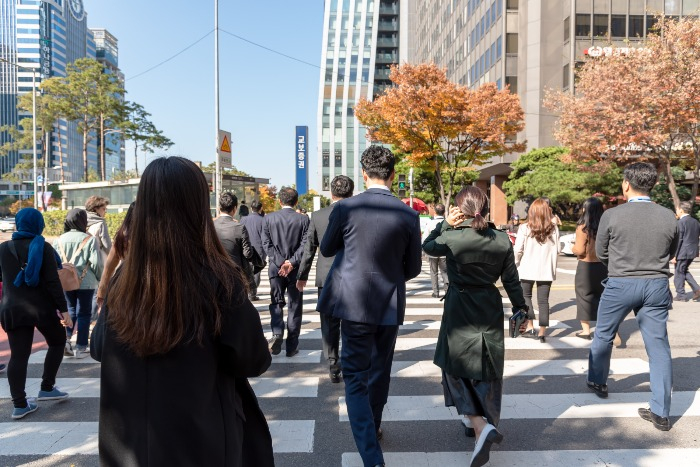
[
  {"x": 13, "y": 250},
  {"x": 79, "y": 249}
]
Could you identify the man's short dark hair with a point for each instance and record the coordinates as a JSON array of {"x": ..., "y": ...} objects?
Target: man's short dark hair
[
  {"x": 228, "y": 202},
  {"x": 288, "y": 197},
  {"x": 243, "y": 210},
  {"x": 440, "y": 209},
  {"x": 342, "y": 186},
  {"x": 256, "y": 206},
  {"x": 641, "y": 176},
  {"x": 378, "y": 162},
  {"x": 686, "y": 207}
]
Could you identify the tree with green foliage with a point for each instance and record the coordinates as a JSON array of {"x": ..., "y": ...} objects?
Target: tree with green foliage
[
  {"x": 211, "y": 168},
  {"x": 306, "y": 201},
  {"x": 548, "y": 172},
  {"x": 661, "y": 194},
  {"x": 22, "y": 171},
  {"x": 135, "y": 125},
  {"x": 88, "y": 96},
  {"x": 124, "y": 176}
]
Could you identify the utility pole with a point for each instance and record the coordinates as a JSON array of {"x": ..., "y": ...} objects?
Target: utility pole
[
  {"x": 36, "y": 188},
  {"x": 410, "y": 187},
  {"x": 217, "y": 172}
]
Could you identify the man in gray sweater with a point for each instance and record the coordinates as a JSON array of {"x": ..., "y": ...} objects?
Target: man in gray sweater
[{"x": 636, "y": 241}]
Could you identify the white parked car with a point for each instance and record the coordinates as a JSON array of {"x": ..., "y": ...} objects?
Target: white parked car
[
  {"x": 566, "y": 243},
  {"x": 7, "y": 225}
]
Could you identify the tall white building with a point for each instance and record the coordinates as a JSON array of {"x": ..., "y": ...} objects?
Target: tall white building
[{"x": 361, "y": 40}]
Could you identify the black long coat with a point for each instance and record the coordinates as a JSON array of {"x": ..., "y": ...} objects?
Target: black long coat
[{"x": 191, "y": 406}]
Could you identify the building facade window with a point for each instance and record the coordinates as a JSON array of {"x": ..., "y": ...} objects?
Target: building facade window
[
  {"x": 600, "y": 25},
  {"x": 567, "y": 28},
  {"x": 512, "y": 83},
  {"x": 338, "y": 158},
  {"x": 565, "y": 77},
  {"x": 617, "y": 26},
  {"x": 583, "y": 25},
  {"x": 636, "y": 26},
  {"x": 511, "y": 4},
  {"x": 511, "y": 43},
  {"x": 326, "y": 157}
]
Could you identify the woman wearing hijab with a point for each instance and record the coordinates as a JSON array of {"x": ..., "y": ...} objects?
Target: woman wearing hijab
[
  {"x": 79, "y": 248},
  {"x": 32, "y": 297}
]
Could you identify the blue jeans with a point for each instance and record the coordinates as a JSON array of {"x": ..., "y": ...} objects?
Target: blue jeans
[
  {"x": 650, "y": 299},
  {"x": 80, "y": 310}
]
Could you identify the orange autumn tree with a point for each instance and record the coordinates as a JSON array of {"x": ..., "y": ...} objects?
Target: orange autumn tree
[
  {"x": 442, "y": 125},
  {"x": 643, "y": 105}
]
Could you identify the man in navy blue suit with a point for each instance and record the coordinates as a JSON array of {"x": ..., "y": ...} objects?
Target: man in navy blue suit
[
  {"x": 284, "y": 236},
  {"x": 376, "y": 242}
]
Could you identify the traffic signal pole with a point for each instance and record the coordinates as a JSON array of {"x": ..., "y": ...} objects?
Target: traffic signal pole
[{"x": 410, "y": 186}]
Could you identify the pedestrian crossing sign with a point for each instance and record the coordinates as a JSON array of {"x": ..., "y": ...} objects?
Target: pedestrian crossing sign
[{"x": 224, "y": 149}]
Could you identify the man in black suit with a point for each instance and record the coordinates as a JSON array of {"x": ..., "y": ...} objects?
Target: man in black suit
[
  {"x": 376, "y": 242},
  {"x": 283, "y": 238},
  {"x": 232, "y": 234},
  {"x": 687, "y": 251},
  {"x": 253, "y": 222},
  {"x": 341, "y": 188}
]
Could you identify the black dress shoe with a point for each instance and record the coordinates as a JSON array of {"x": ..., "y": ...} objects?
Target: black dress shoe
[
  {"x": 436, "y": 295},
  {"x": 335, "y": 376},
  {"x": 661, "y": 423},
  {"x": 542, "y": 339},
  {"x": 380, "y": 434},
  {"x": 530, "y": 333},
  {"x": 601, "y": 390},
  {"x": 292, "y": 353},
  {"x": 275, "y": 345}
]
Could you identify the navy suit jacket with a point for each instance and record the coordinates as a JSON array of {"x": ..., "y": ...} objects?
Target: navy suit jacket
[
  {"x": 317, "y": 227},
  {"x": 253, "y": 223},
  {"x": 283, "y": 238},
  {"x": 688, "y": 236},
  {"x": 376, "y": 240}
]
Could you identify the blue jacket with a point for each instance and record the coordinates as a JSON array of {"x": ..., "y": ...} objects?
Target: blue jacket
[{"x": 376, "y": 240}]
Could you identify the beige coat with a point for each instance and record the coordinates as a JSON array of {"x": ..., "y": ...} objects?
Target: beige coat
[{"x": 535, "y": 261}]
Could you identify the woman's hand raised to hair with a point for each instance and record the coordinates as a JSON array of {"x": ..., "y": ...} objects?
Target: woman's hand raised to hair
[{"x": 455, "y": 217}]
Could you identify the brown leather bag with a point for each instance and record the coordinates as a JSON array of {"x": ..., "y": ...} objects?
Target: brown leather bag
[{"x": 69, "y": 274}]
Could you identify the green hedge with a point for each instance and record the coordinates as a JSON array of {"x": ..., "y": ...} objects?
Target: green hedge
[{"x": 54, "y": 222}]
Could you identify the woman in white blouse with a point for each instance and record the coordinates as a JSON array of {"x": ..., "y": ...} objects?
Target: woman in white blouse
[{"x": 536, "y": 252}]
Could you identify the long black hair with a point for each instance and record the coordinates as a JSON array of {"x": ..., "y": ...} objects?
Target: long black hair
[{"x": 591, "y": 212}]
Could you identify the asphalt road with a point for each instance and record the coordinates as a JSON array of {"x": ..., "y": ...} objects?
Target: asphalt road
[{"x": 549, "y": 417}]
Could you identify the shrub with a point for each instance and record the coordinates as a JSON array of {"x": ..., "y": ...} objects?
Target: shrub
[{"x": 54, "y": 222}]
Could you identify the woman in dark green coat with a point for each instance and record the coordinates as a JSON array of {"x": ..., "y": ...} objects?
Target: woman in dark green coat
[{"x": 470, "y": 348}]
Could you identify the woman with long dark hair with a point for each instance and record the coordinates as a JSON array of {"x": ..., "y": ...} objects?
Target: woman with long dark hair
[
  {"x": 536, "y": 253},
  {"x": 470, "y": 348},
  {"x": 32, "y": 297},
  {"x": 178, "y": 337},
  {"x": 590, "y": 272}
]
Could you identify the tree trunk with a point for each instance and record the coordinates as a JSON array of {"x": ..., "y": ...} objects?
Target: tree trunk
[
  {"x": 85, "y": 159},
  {"x": 47, "y": 151},
  {"x": 671, "y": 182},
  {"x": 438, "y": 180},
  {"x": 102, "y": 147},
  {"x": 696, "y": 179},
  {"x": 136, "y": 158},
  {"x": 60, "y": 153}
]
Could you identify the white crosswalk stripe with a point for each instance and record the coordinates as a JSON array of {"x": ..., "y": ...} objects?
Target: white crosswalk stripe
[{"x": 545, "y": 383}]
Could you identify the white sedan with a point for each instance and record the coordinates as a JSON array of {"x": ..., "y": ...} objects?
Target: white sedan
[
  {"x": 566, "y": 243},
  {"x": 7, "y": 225}
]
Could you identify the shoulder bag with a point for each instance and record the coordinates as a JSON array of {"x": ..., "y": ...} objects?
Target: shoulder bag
[{"x": 69, "y": 274}]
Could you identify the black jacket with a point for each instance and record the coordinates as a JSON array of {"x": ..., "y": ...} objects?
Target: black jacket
[
  {"x": 317, "y": 228},
  {"x": 253, "y": 223},
  {"x": 376, "y": 242},
  {"x": 24, "y": 305},
  {"x": 191, "y": 406},
  {"x": 234, "y": 238},
  {"x": 284, "y": 236},
  {"x": 688, "y": 238}
]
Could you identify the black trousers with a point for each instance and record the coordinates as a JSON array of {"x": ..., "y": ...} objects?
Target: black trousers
[
  {"x": 543, "y": 288},
  {"x": 330, "y": 334},
  {"x": 682, "y": 275},
  {"x": 279, "y": 287},
  {"x": 21, "y": 340}
]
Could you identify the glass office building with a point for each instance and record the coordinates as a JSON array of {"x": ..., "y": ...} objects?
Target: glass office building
[
  {"x": 44, "y": 36},
  {"x": 361, "y": 40},
  {"x": 531, "y": 46}
]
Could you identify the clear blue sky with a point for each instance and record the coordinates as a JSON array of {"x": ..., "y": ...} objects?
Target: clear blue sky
[{"x": 263, "y": 95}]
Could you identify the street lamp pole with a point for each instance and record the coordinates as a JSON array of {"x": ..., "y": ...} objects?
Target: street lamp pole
[
  {"x": 217, "y": 172},
  {"x": 36, "y": 200}
]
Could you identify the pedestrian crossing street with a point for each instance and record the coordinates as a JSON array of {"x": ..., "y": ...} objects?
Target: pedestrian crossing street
[{"x": 549, "y": 418}]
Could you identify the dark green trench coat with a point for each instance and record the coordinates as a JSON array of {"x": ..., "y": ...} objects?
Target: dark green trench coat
[{"x": 470, "y": 344}]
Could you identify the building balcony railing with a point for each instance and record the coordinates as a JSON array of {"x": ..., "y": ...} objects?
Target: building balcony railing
[
  {"x": 381, "y": 74},
  {"x": 392, "y": 26},
  {"x": 387, "y": 58},
  {"x": 381, "y": 42},
  {"x": 389, "y": 10}
]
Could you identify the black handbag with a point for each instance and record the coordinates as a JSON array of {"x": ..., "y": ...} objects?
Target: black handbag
[
  {"x": 515, "y": 321},
  {"x": 97, "y": 338}
]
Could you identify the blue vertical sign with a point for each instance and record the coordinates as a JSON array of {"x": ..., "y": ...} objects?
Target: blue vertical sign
[{"x": 301, "y": 158}]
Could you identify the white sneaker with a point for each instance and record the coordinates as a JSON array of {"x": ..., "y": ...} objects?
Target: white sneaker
[
  {"x": 482, "y": 449},
  {"x": 81, "y": 353},
  {"x": 68, "y": 350}
]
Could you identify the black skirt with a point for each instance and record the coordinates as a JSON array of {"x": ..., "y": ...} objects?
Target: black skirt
[
  {"x": 589, "y": 288},
  {"x": 473, "y": 397}
]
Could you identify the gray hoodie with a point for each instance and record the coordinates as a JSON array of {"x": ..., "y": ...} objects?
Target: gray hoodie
[{"x": 97, "y": 227}]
